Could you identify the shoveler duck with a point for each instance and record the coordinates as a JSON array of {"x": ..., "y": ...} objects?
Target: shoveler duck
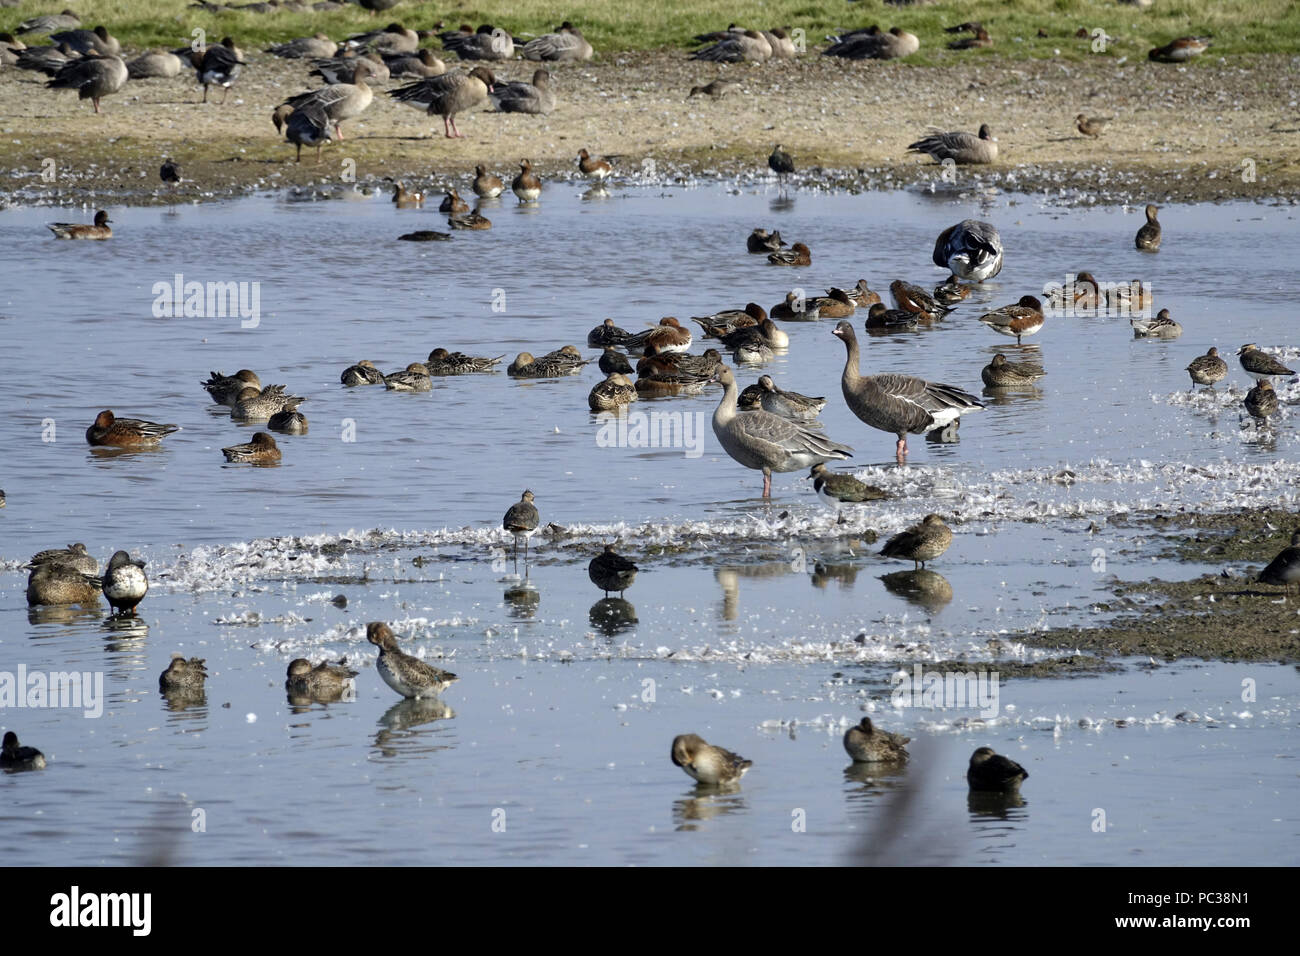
[
  {"x": 442, "y": 362},
  {"x": 912, "y": 298},
  {"x": 1180, "y": 50},
  {"x": 363, "y": 373},
  {"x": 991, "y": 771},
  {"x": 1000, "y": 373},
  {"x": 1023, "y": 318},
  {"x": 867, "y": 744},
  {"x": 219, "y": 64},
  {"x": 767, "y": 442},
  {"x": 182, "y": 674},
  {"x": 960, "y": 147},
  {"x": 405, "y": 199},
  {"x": 453, "y": 204},
  {"x": 521, "y": 520},
  {"x": 1148, "y": 236},
  {"x": 835, "y": 304},
  {"x": 1259, "y": 365},
  {"x": 225, "y": 389},
  {"x": 526, "y": 185},
  {"x": 16, "y": 758},
  {"x": 260, "y": 451},
  {"x": 900, "y": 404},
  {"x": 413, "y": 378},
  {"x": 80, "y": 230},
  {"x": 535, "y": 98},
  {"x": 1090, "y": 126},
  {"x": 487, "y": 185},
  {"x": 920, "y": 543},
  {"x": 325, "y": 680},
  {"x": 1207, "y": 369},
  {"x": 469, "y": 220},
  {"x": 882, "y": 317},
  {"x": 93, "y": 76},
  {"x": 1162, "y": 326},
  {"x": 73, "y": 556},
  {"x": 796, "y": 308},
  {"x": 566, "y": 44},
  {"x": 1284, "y": 570},
  {"x": 611, "y": 572},
  {"x": 288, "y": 421},
  {"x": 707, "y": 764},
  {"x": 253, "y": 405},
  {"x": 597, "y": 169},
  {"x": 970, "y": 250},
  {"x": 760, "y": 240},
  {"x": 124, "y": 583},
  {"x": 339, "y": 101},
  {"x": 408, "y": 675},
  {"x": 612, "y": 360},
  {"x": 951, "y": 291},
  {"x": 791, "y": 405},
  {"x": 109, "y": 430},
  {"x": 55, "y": 583},
  {"x": 837, "y": 489},
  {"x": 615, "y": 392},
  {"x": 796, "y": 255},
  {"x": 447, "y": 95}
]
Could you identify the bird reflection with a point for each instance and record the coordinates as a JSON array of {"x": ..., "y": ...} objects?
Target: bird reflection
[
  {"x": 181, "y": 699},
  {"x": 596, "y": 192},
  {"x": 124, "y": 633},
  {"x": 997, "y": 805},
  {"x": 876, "y": 778},
  {"x": 705, "y": 803},
  {"x": 523, "y": 599},
  {"x": 924, "y": 588},
  {"x": 845, "y": 574},
  {"x": 63, "y": 614},
  {"x": 1010, "y": 396},
  {"x": 729, "y": 579},
  {"x": 782, "y": 203},
  {"x": 612, "y": 616},
  {"x": 394, "y": 740}
]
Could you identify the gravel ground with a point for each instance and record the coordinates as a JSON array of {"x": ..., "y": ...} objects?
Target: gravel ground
[{"x": 1179, "y": 133}]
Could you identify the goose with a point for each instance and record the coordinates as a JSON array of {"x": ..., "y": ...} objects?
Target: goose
[
  {"x": 920, "y": 543},
  {"x": 761, "y": 440},
  {"x": 340, "y": 101},
  {"x": 707, "y": 764},
  {"x": 566, "y": 43},
  {"x": 747, "y": 47},
  {"x": 93, "y": 76},
  {"x": 304, "y": 48},
  {"x": 423, "y": 63},
  {"x": 1284, "y": 570},
  {"x": 67, "y": 20},
  {"x": 868, "y": 45},
  {"x": 866, "y": 743},
  {"x": 900, "y": 404},
  {"x": 393, "y": 38},
  {"x": 84, "y": 41},
  {"x": 344, "y": 69},
  {"x": 519, "y": 97},
  {"x": 46, "y": 59},
  {"x": 1180, "y": 50},
  {"x": 220, "y": 64},
  {"x": 778, "y": 39},
  {"x": 991, "y": 771},
  {"x": 487, "y": 43},
  {"x": 1148, "y": 236},
  {"x": 156, "y": 64},
  {"x": 308, "y": 125},
  {"x": 1023, "y": 318},
  {"x": 960, "y": 147},
  {"x": 447, "y": 95},
  {"x": 969, "y": 250}
]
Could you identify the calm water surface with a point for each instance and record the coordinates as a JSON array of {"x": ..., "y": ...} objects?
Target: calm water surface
[{"x": 764, "y": 628}]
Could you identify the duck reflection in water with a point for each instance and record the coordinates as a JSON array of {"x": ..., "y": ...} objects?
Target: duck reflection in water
[
  {"x": 612, "y": 616},
  {"x": 705, "y": 803},
  {"x": 395, "y": 739},
  {"x": 522, "y": 600},
  {"x": 924, "y": 588}
]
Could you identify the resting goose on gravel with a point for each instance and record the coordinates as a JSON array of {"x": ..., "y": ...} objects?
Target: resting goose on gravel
[
  {"x": 487, "y": 43},
  {"x": 566, "y": 43},
  {"x": 747, "y": 47},
  {"x": 961, "y": 147},
  {"x": 520, "y": 97}
]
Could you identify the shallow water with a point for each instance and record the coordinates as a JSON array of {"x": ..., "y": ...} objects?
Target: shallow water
[{"x": 549, "y": 724}]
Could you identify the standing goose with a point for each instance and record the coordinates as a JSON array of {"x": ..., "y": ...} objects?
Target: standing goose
[
  {"x": 1023, "y": 318},
  {"x": 969, "y": 250},
  {"x": 220, "y": 64},
  {"x": 308, "y": 125},
  {"x": 566, "y": 43},
  {"x": 1148, "y": 237},
  {"x": 519, "y": 97},
  {"x": 761, "y": 440},
  {"x": 526, "y": 185},
  {"x": 448, "y": 95},
  {"x": 1284, "y": 570},
  {"x": 93, "y": 76},
  {"x": 899, "y": 404},
  {"x": 340, "y": 101},
  {"x": 961, "y": 147}
]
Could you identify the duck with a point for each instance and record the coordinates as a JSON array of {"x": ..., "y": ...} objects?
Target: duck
[
  {"x": 835, "y": 304},
  {"x": 1148, "y": 236},
  {"x": 124, "y": 583},
  {"x": 453, "y": 204},
  {"x": 861, "y": 295},
  {"x": 442, "y": 362},
  {"x": 254, "y": 405},
  {"x": 900, "y": 404},
  {"x": 912, "y": 298},
  {"x": 960, "y": 147},
  {"x": 970, "y": 250},
  {"x": 614, "y": 392},
  {"x": 73, "y": 556},
  {"x": 1023, "y": 318},
  {"x": 566, "y": 44},
  {"x": 289, "y": 421},
  {"x": 16, "y": 758},
  {"x": 791, "y": 405},
  {"x": 920, "y": 543},
  {"x": 951, "y": 291},
  {"x": 989, "y": 771},
  {"x": 881, "y": 317},
  {"x": 1284, "y": 570},
  {"x": 1090, "y": 126},
  {"x": 303, "y": 48},
  {"x": 667, "y": 336},
  {"x": 363, "y": 373},
  {"x": 324, "y": 680},
  {"x": 707, "y": 764},
  {"x": 424, "y": 235},
  {"x": 979, "y": 38},
  {"x": 796, "y": 255},
  {"x": 408, "y": 675},
  {"x": 307, "y": 125},
  {"x": 715, "y": 89},
  {"x": 447, "y": 95},
  {"x": 471, "y": 220},
  {"x": 155, "y": 64},
  {"x": 611, "y": 572},
  {"x": 521, "y": 520},
  {"x": 1261, "y": 401},
  {"x": 1180, "y": 50},
  {"x": 339, "y": 101},
  {"x": 729, "y": 320},
  {"x": 1207, "y": 369},
  {"x": 612, "y": 360},
  {"x": 1001, "y": 373},
  {"x": 865, "y": 744},
  {"x": 486, "y": 43},
  {"x": 1162, "y": 326},
  {"x": 748, "y": 46},
  {"x": 220, "y": 64},
  {"x": 413, "y": 378},
  {"x": 486, "y": 185},
  {"x": 767, "y": 442},
  {"x": 182, "y": 674},
  {"x": 669, "y": 363},
  {"x": 260, "y": 451},
  {"x": 607, "y": 334},
  {"x": 79, "y": 230},
  {"x": 765, "y": 333},
  {"x": 526, "y": 185},
  {"x": 422, "y": 63},
  {"x": 796, "y": 308},
  {"x": 53, "y": 582},
  {"x": 760, "y": 240},
  {"x": 406, "y": 199},
  {"x": 1127, "y": 298},
  {"x": 837, "y": 489},
  {"x": 110, "y": 431},
  {"x": 1259, "y": 365},
  {"x": 536, "y": 97},
  {"x": 597, "y": 169},
  {"x": 526, "y": 365}
]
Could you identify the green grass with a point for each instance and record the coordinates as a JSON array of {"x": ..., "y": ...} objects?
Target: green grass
[{"x": 1238, "y": 26}]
